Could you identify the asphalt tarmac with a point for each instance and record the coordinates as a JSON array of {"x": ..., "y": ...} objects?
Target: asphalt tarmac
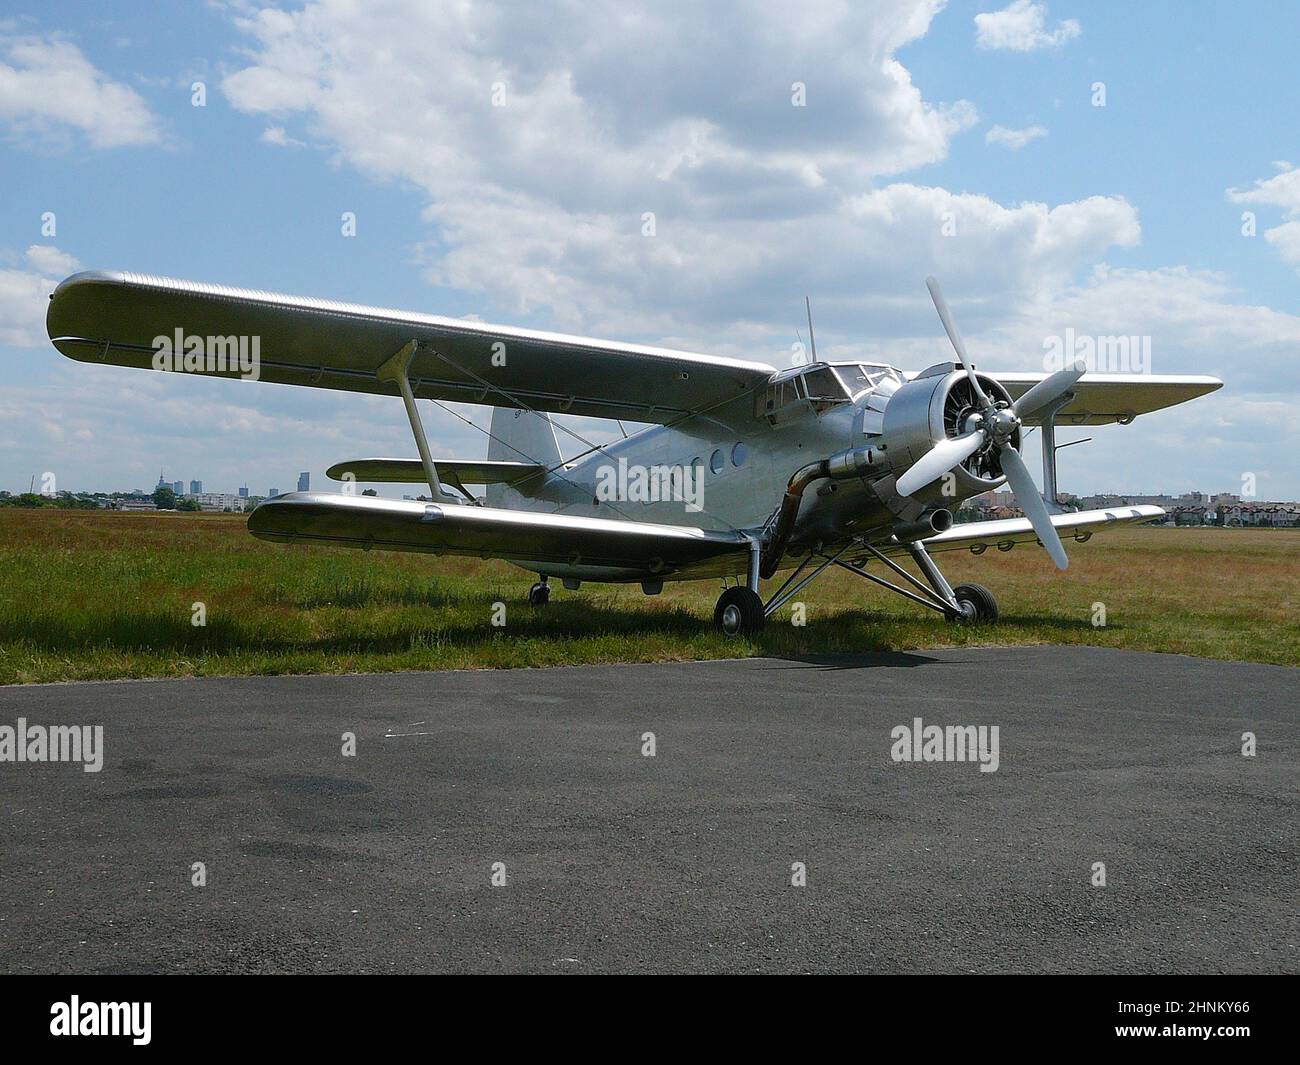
[{"x": 615, "y": 861}]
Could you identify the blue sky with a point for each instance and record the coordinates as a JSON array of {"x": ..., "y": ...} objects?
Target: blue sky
[{"x": 1117, "y": 219}]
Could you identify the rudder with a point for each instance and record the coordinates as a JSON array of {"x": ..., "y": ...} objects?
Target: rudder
[{"x": 521, "y": 436}]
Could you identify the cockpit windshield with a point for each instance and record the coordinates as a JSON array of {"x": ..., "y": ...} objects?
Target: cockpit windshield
[
  {"x": 863, "y": 376},
  {"x": 822, "y": 386}
]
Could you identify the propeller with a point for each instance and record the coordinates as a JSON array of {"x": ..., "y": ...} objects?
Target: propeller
[
  {"x": 939, "y": 460},
  {"x": 994, "y": 427}
]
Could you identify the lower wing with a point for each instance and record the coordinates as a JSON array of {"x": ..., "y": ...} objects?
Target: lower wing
[
  {"x": 601, "y": 548},
  {"x": 1005, "y": 533}
]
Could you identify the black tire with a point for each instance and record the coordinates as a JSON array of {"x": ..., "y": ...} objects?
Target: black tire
[
  {"x": 539, "y": 594},
  {"x": 982, "y": 603},
  {"x": 739, "y": 613}
]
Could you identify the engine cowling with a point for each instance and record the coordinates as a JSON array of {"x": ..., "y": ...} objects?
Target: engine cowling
[{"x": 933, "y": 406}]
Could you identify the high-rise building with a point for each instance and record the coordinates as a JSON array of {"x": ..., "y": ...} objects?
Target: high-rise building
[
  {"x": 178, "y": 488},
  {"x": 304, "y": 482},
  {"x": 273, "y": 493},
  {"x": 196, "y": 488},
  {"x": 243, "y": 492}
]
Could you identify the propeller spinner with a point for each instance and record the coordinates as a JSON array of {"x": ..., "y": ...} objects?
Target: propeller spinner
[{"x": 994, "y": 427}]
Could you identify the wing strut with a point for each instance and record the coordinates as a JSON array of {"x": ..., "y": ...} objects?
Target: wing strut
[
  {"x": 395, "y": 369},
  {"x": 1050, "y": 448}
]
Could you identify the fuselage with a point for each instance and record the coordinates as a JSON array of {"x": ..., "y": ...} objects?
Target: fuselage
[{"x": 738, "y": 459}]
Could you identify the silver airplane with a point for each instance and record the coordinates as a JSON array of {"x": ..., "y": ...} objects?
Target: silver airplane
[{"x": 744, "y": 472}]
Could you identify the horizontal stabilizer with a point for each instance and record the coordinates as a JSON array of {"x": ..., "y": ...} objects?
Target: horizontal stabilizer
[{"x": 410, "y": 471}]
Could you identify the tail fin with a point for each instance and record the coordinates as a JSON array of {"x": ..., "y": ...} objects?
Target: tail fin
[{"x": 520, "y": 436}]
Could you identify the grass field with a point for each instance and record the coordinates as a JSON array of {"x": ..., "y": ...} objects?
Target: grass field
[{"x": 95, "y": 595}]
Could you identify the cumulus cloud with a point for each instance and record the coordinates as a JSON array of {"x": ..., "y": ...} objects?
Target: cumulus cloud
[
  {"x": 25, "y": 292},
  {"x": 1197, "y": 321},
  {"x": 545, "y": 146},
  {"x": 571, "y": 170},
  {"x": 1281, "y": 190},
  {"x": 47, "y": 86},
  {"x": 1022, "y": 27},
  {"x": 1014, "y": 139}
]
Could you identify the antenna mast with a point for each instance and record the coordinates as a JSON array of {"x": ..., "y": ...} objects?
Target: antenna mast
[{"x": 811, "y": 339}]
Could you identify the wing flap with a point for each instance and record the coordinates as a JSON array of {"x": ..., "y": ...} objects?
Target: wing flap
[
  {"x": 621, "y": 550},
  {"x": 114, "y": 317}
]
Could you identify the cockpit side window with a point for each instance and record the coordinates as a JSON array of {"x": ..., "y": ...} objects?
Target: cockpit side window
[{"x": 816, "y": 386}]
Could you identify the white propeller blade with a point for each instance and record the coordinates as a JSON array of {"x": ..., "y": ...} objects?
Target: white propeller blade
[
  {"x": 945, "y": 316},
  {"x": 939, "y": 460},
  {"x": 1026, "y": 493},
  {"x": 1049, "y": 389}
]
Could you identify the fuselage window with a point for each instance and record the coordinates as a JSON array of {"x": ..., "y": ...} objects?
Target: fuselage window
[
  {"x": 739, "y": 455},
  {"x": 716, "y": 461}
]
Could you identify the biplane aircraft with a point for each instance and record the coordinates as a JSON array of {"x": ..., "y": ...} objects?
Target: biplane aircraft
[{"x": 853, "y": 464}]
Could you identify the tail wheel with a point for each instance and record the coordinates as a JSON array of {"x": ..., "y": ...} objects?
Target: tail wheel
[
  {"x": 539, "y": 594},
  {"x": 739, "y": 613},
  {"x": 977, "y": 604}
]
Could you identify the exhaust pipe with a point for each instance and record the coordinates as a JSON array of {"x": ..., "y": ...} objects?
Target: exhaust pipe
[
  {"x": 799, "y": 480},
  {"x": 929, "y": 523}
]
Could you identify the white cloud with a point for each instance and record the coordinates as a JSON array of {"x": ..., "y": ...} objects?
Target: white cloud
[
  {"x": 1281, "y": 190},
  {"x": 49, "y": 261},
  {"x": 1197, "y": 322},
  {"x": 277, "y": 136},
  {"x": 1022, "y": 27},
  {"x": 25, "y": 293},
  {"x": 1014, "y": 139},
  {"x": 539, "y": 203},
  {"x": 47, "y": 84}
]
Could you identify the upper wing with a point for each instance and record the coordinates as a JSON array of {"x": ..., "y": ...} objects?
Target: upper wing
[
  {"x": 1101, "y": 398},
  {"x": 114, "y": 317},
  {"x": 411, "y": 471},
  {"x": 620, "y": 550}
]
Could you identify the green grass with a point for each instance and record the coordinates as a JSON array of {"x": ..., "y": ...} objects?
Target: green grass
[{"x": 95, "y": 595}]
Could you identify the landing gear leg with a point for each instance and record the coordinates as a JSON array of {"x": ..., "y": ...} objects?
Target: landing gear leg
[
  {"x": 540, "y": 593},
  {"x": 740, "y": 609},
  {"x": 968, "y": 604}
]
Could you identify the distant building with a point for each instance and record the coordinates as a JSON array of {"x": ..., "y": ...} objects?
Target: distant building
[
  {"x": 273, "y": 493},
  {"x": 144, "y": 503},
  {"x": 196, "y": 488},
  {"x": 178, "y": 488},
  {"x": 243, "y": 492},
  {"x": 218, "y": 501},
  {"x": 304, "y": 482}
]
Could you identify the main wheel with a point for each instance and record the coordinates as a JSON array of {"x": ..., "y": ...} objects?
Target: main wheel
[
  {"x": 539, "y": 594},
  {"x": 739, "y": 613},
  {"x": 977, "y": 603}
]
